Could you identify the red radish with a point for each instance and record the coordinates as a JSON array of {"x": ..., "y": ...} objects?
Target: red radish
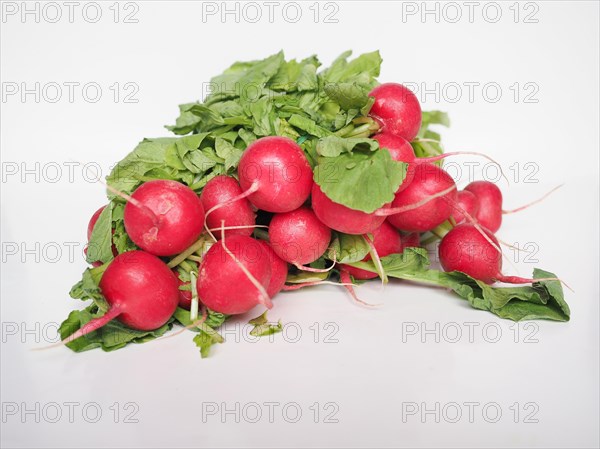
[
  {"x": 218, "y": 193},
  {"x": 399, "y": 148},
  {"x": 298, "y": 237},
  {"x": 489, "y": 195},
  {"x": 279, "y": 270},
  {"x": 277, "y": 173},
  {"x": 164, "y": 217},
  {"x": 429, "y": 181},
  {"x": 387, "y": 240},
  {"x": 342, "y": 218},
  {"x": 468, "y": 202},
  {"x": 411, "y": 240},
  {"x": 466, "y": 249},
  {"x": 140, "y": 290},
  {"x": 234, "y": 275},
  {"x": 397, "y": 109}
]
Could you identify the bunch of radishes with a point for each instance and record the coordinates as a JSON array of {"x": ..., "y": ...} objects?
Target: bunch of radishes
[{"x": 234, "y": 265}]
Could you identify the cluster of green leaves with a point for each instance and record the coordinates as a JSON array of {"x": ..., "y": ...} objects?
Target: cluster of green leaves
[{"x": 542, "y": 300}]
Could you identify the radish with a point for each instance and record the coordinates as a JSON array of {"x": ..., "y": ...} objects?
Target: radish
[
  {"x": 279, "y": 270},
  {"x": 163, "y": 217},
  {"x": 219, "y": 201},
  {"x": 399, "y": 148},
  {"x": 299, "y": 237},
  {"x": 140, "y": 290},
  {"x": 489, "y": 195},
  {"x": 411, "y": 240},
  {"x": 341, "y": 218},
  {"x": 466, "y": 249},
  {"x": 468, "y": 202},
  {"x": 397, "y": 110},
  {"x": 275, "y": 174},
  {"x": 234, "y": 275},
  {"x": 387, "y": 240},
  {"x": 425, "y": 203}
]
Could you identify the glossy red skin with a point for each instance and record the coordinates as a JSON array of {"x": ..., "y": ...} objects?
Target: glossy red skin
[
  {"x": 490, "y": 204},
  {"x": 397, "y": 109},
  {"x": 298, "y": 237},
  {"x": 387, "y": 240},
  {"x": 239, "y": 213},
  {"x": 180, "y": 217},
  {"x": 428, "y": 180},
  {"x": 142, "y": 287},
  {"x": 223, "y": 286},
  {"x": 341, "y": 218},
  {"x": 400, "y": 150},
  {"x": 464, "y": 249},
  {"x": 279, "y": 270},
  {"x": 468, "y": 201},
  {"x": 282, "y": 171}
]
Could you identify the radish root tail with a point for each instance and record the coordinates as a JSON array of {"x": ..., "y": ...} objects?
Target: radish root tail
[
  {"x": 539, "y": 200},
  {"x": 347, "y": 282}
]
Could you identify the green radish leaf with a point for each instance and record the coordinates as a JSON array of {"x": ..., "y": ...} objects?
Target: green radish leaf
[
  {"x": 100, "y": 244},
  {"x": 347, "y": 248},
  {"x": 306, "y": 276},
  {"x": 333, "y": 146},
  {"x": 308, "y": 125},
  {"x": 433, "y": 118},
  {"x": 542, "y": 300},
  {"x": 360, "y": 181},
  {"x": 88, "y": 289},
  {"x": 114, "y": 335},
  {"x": 428, "y": 142},
  {"x": 213, "y": 319},
  {"x": 225, "y": 150},
  {"x": 262, "y": 327},
  {"x": 259, "y": 320},
  {"x": 204, "y": 341}
]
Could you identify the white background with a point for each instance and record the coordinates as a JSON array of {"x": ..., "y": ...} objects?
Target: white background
[{"x": 367, "y": 371}]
